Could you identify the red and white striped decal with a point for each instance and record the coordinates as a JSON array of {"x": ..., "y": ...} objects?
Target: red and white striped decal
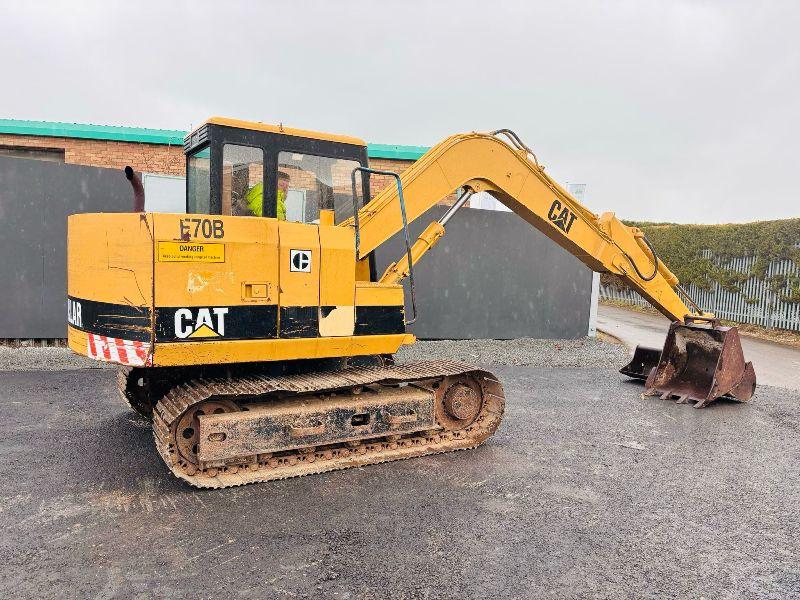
[{"x": 124, "y": 352}]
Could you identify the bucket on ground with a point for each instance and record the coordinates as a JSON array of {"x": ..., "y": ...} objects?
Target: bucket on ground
[{"x": 700, "y": 362}]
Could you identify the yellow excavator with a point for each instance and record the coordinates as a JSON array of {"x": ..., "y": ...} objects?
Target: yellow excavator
[{"x": 261, "y": 347}]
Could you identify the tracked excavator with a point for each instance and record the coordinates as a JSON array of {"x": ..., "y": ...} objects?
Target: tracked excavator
[{"x": 261, "y": 348}]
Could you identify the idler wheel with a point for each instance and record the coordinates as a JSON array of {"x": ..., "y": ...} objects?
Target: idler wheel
[
  {"x": 460, "y": 402},
  {"x": 187, "y": 429}
]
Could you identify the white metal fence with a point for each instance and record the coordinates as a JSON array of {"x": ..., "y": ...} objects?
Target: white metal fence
[{"x": 756, "y": 303}]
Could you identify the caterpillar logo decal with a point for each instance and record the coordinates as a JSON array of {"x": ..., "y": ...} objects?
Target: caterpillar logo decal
[
  {"x": 124, "y": 322},
  {"x": 215, "y": 323},
  {"x": 561, "y": 216},
  {"x": 200, "y": 322},
  {"x": 74, "y": 316},
  {"x": 300, "y": 261}
]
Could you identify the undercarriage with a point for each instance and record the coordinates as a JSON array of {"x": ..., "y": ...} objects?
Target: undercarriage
[{"x": 225, "y": 427}]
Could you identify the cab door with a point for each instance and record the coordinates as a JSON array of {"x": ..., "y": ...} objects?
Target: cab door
[{"x": 299, "y": 280}]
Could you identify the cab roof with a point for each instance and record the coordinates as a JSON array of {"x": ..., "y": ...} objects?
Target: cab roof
[{"x": 257, "y": 126}]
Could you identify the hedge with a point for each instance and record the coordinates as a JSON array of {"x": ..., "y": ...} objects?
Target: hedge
[{"x": 682, "y": 247}]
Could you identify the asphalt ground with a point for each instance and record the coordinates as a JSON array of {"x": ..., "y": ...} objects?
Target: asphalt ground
[{"x": 585, "y": 491}]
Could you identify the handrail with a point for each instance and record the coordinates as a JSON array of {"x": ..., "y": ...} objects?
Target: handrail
[{"x": 405, "y": 226}]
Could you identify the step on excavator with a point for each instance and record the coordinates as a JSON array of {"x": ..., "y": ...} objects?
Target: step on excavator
[{"x": 256, "y": 334}]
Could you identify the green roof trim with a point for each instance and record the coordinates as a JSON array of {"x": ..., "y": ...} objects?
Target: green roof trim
[
  {"x": 396, "y": 152},
  {"x": 92, "y": 132},
  {"x": 172, "y": 137}
]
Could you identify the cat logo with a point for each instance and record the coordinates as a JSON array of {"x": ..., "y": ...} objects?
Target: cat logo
[
  {"x": 561, "y": 216},
  {"x": 300, "y": 261},
  {"x": 200, "y": 324}
]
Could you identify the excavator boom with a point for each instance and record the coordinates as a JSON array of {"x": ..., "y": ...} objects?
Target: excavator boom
[
  {"x": 509, "y": 171},
  {"x": 484, "y": 162}
]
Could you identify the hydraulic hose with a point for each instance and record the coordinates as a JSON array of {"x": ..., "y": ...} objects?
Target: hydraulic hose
[
  {"x": 518, "y": 143},
  {"x": 655, "y": 261}
]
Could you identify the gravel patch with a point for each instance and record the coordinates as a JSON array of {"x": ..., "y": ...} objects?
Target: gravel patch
[
  {"x": 587, "y": 352},
  {"x": 53, "y": 358}
]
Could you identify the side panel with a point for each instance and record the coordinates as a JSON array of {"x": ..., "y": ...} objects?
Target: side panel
[
  {"x": 109, "y": 286},
  {"x": 216, "y": 278},
  {"x": 216, "y": 295},
  {"x": 299, "y": 267},
  {"x": 109, "y": 257},
  {"x": 337, "y": 282},
  {"x": 380, "y": 309},
  {"x": 198, "y": 353}
]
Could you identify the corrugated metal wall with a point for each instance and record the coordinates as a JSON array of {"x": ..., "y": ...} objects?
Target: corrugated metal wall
[
  {"x": 492, "y": 276},
  {"x": 756, "y": 303},
  {"x": 35, "y": 198}
]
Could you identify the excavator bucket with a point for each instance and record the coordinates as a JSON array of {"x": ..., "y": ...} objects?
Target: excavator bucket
[
  {"x": 701, "y": 363},
  {"x": 644, "y": 360}
]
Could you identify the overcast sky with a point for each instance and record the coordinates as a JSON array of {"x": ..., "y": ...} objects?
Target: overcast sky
[{"x": 681, "y": 111}]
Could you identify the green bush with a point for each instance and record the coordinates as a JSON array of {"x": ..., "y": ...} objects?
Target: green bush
[{"x": 681, "y": 247}]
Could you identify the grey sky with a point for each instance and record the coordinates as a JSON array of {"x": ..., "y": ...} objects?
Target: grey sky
[{"x": 676, "y": 110}]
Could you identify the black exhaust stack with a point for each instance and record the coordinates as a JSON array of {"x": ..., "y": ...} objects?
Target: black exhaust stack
[{"x": 138, "y": 189}]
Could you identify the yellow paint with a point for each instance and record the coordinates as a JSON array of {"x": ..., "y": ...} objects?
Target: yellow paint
[
  {"x": 362, "y": 270},
  {"x": 77, "y": 340},
  {"x": 255, "y": 126},
  {"x": 484, "y": 162},
  {"x": 203, "y": 331},
  {"x": 190, "y": 252},
  {"x": 298, "y": 288},
  {"x": 255, "y": 292},
  {"x": 337, "y": 281},
  {"x": 111, "y": 257},
  {"x": 378, "y": 294},
  {"x": 251, "y": 255},
  {"x": 326, "y": 217},
  {"x": 223, "y": 352}
]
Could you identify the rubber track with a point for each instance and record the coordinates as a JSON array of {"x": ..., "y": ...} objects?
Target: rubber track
[{"x": 332, "y": 456}]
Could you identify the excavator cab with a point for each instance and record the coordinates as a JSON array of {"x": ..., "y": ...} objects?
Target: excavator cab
[{"x": 238, "y": 168}]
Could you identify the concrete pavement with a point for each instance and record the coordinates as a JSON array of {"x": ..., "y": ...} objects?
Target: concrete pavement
[{"x": 775, "y": 364}]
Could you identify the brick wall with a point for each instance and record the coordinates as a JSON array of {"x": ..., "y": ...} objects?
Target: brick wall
[
  {"x": 157, "y": 158},
  {"x": 379, "y": 182},
  {"x": 150, "y": 158}
]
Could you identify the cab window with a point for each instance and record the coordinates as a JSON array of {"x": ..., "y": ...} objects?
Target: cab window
[
  {"x": 198, "y": 183},
  {"x": 242, "y": 180},
  {"x": 307, "y": 183}
]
